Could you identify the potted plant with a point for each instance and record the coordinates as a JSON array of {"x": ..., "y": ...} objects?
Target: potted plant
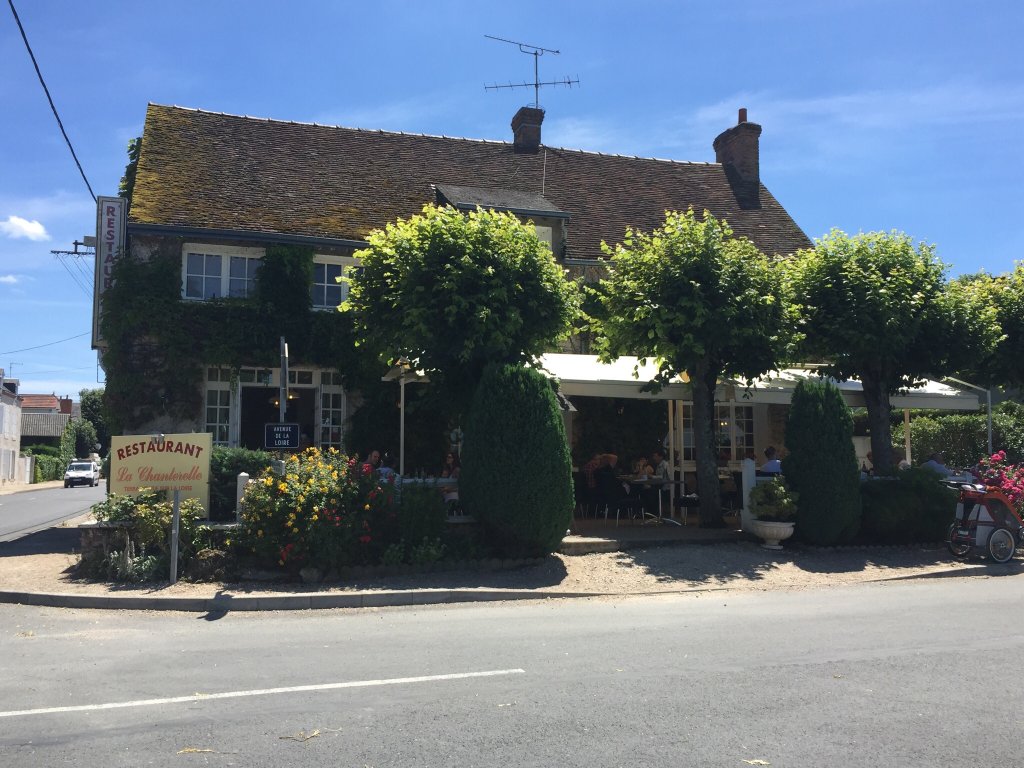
[{"x": 773, "y": 508}]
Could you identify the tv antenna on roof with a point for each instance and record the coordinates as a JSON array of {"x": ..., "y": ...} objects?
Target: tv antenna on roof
[{"x": 536, "y": 51}]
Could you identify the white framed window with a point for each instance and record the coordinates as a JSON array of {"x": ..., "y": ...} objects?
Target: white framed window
[
  {"x": 734, "y": 428},
  {"x": 326, "y": 291},
  {"x": 218, "y": 271},
  {"x": 332, "y": 410},
  {"x": 218, "y": 405}
]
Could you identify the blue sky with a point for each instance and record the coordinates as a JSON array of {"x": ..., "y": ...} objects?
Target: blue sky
[{"x": 876, "y": 114}]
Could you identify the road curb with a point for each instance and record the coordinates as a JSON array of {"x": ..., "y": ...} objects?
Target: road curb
[{"x": 298, "y": 602}]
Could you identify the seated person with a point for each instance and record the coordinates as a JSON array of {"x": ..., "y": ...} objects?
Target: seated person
[
  {"x": 772, "y": 464},
  {"x": 937, "y": 463},
  {"x": 600, "y": 464},
  {"x": 451, "y": 467},
  {"x": 661, "y": 468},
  {"x": 387, "y": 467}
]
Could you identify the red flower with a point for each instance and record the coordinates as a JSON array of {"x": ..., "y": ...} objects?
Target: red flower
[{"x": 364, "y": 539}]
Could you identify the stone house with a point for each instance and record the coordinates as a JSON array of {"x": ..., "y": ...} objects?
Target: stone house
[{"x": 214, "y": 193}]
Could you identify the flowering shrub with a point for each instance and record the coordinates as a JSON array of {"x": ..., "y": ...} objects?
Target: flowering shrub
[
  {"x": 995, "y": 472},
  {"x": 146, "y": 552},
  {"x": 326, "y": 511}
]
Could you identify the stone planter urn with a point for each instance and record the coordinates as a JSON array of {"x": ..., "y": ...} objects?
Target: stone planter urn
[{"x": 771, "y": 532}]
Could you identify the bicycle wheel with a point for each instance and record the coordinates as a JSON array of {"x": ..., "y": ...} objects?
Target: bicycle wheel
[
  {"x": 959, "y": 549},
  {"x": 1001, "y": 545}
]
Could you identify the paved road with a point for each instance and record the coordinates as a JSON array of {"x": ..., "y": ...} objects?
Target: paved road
[
  {"x": 915, "y": 674},
  {"x": 29, "y": 511}
]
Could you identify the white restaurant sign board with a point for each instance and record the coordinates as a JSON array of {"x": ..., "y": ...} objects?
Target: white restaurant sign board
[
  {"x": 111, "y": 213},
  {"x": 162, "y": 462}
]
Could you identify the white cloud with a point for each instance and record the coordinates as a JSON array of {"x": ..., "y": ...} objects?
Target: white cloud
[
  {"x": 591, "y": 135},
  {"x": 854, "y": 126},
  {"x": 16, "y": 227},
  {"x": 9, "y": 279}
]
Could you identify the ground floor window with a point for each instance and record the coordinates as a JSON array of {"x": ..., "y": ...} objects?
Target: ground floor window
[
  {"x": 218, "y": 405},
  {"x": 734, "y": 430},
  {"x": 332, "y": 410}
]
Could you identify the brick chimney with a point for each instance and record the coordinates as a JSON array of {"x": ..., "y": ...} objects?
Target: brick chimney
[
  {"x": 736, "y": 149},
  {"x": 526, "y": 129},
  {"x": 65, "y": 405}
]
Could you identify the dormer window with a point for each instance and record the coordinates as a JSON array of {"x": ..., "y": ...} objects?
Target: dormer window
[{"x": 547, "y": 219}]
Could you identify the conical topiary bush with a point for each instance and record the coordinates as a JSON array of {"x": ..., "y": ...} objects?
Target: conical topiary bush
[
  {"x": 821, "y": 464},
  {"x": 516, "y": 477}
]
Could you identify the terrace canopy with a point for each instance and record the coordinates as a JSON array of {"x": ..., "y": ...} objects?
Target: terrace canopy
[{"x": 585, "y": 375}]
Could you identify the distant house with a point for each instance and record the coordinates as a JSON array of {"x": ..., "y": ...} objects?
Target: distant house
[
  {"x": 10, "y": 435},
  {"x": 43, "y": 419},
  {"x": 213, "y": 192}
]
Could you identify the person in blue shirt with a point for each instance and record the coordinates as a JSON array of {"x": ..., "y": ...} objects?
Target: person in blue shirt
[
  {"x": 937, "y": 463},
  {"x": 772, "y": 464}
]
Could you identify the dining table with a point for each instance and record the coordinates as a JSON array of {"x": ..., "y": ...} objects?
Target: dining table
[{"x": 647, "y": 482}]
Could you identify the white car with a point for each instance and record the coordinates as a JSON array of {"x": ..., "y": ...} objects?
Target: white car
[{"x": 82, "y": 473}]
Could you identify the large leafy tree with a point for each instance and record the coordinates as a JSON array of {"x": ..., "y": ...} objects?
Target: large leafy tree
[
  {"x": 93, "y": 410},
  {"x": 878, "y": 307},
  {"x": 700, "y": 302},
  {"x": 1003, "y": 295},
  {"x": 453, "y": 292}
]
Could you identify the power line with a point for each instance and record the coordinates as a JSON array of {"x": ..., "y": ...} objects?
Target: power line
[
  {"x": 48, "y": 344},
  {"x": 50, "y": 99},
  {"x": 57, "y": 370}
]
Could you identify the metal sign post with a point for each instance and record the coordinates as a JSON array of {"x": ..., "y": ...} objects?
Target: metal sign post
[
  {"x": 283, "y": 405},
  {"x": 175, "y": 523}
]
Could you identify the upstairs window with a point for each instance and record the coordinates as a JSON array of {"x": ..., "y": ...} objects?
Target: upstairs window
[
  {"x": 326, "y": 292},
  {"x": 215, "y": 272}
]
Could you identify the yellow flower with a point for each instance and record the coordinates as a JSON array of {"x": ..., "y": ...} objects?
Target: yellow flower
[
  {"x": 227, "y": 542},
  {"x": 295, "y": 530},
  {"x": 315, "y": 518},
  {"x": 282, "y": 487},
  {"x": 259, "y": 534},
  {"x": 367, "y": 507}
]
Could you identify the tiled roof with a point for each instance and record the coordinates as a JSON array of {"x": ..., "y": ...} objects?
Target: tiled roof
[
  {"x": 43, "y": 424},
  {"x": 40, "y": 402},
  {"x": 210, "y": 170}
]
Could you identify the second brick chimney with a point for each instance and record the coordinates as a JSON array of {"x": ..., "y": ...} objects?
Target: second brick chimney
[
  {"x": 737, "y": 150},
  {"x": 526, "y": 129}
]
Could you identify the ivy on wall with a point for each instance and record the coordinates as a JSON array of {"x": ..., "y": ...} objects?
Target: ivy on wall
[{"x": 159, "y": 345}]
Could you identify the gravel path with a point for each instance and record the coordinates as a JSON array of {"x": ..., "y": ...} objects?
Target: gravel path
[
  {"x": 734, "y": 566},
  {"x": 679, "y": 567}
]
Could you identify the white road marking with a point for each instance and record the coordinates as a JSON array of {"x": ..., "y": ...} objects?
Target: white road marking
[{"x": 261, "y": 692}]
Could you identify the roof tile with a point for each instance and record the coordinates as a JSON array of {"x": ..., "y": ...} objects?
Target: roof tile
[{"x": 211, "y": 170}]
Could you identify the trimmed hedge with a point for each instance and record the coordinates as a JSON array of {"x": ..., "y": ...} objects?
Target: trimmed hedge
[
  {"x": 49, "y": 468},
  {"x": 225, "y": 464},
  {"x": 964, "y": 436},
  {"x": 821, "y": 466},
  {"x": 516, "y": 472},
  {"x": 911, "y": 507}
]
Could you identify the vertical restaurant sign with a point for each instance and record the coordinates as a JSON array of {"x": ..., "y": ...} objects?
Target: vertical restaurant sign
[
  {"x": 111, "y": 213},
  {"x": 162, "y": 462}
]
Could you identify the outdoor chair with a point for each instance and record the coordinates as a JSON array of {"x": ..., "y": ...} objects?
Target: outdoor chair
[{"x": 611, "y": 495}]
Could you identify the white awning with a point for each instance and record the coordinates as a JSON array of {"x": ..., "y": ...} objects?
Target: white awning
[{"x": 586, "y": 376}]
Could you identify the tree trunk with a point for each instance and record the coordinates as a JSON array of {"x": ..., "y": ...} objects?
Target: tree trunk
[
  {"x": 703, "y": 382},
  {"x": 876, "y": 397}
]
